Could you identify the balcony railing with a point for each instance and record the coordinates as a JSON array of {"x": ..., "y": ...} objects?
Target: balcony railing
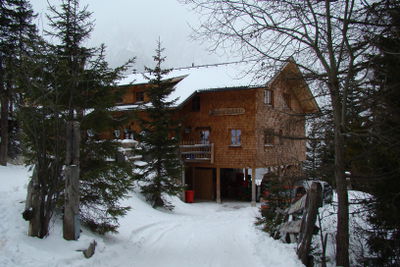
[{"x": 192, "y": 151}]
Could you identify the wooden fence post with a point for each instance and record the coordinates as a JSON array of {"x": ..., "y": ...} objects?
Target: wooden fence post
[
  {"x": 71, "y": 225},
  {"x": 308, "y": 223},
  {"x": 33, "y": 206}
]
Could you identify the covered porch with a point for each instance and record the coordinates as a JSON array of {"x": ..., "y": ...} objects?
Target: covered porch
[{"x": 220, "y": 184}]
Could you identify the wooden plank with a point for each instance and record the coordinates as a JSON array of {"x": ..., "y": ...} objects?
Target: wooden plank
[
  {"x": 290, "y": 227},
  {"x": 298, "y": 205},
  {"x": 308, "y": 223}
]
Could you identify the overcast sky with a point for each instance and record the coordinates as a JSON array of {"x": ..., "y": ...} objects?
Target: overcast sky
[{"x": 131, "y": 27}]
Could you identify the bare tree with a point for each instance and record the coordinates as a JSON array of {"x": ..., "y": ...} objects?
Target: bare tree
[{"x": 323, "y": 36}]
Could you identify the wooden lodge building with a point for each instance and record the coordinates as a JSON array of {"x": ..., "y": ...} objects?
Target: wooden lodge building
[{"x": 235, "y": 130}]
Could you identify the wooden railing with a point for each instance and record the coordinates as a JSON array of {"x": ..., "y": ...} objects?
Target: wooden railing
[{"x": 192, "y": 151}]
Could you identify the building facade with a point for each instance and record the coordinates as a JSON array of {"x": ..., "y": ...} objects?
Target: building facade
[{"x": 234, "y": 133}]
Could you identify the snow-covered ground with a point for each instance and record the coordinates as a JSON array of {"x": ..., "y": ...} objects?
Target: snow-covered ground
[
  {"x": 199, "y": 234},
  {"x": 357, "y": 225}
]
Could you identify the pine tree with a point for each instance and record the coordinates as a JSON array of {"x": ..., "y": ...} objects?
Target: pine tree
[
  {"x": 43, "y": 124},
  {"x": 72, "y": 82},
  {"x": 159, "y": 138},
  {"x": 16, "y": 34},
  {"x": 319, "y": 164},
  {"x": 86, "y": 81}
]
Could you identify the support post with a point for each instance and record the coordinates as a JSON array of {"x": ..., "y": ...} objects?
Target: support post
[
  {"x": 253, "y": 186},
  {"x": 218, "y": 185},
  {"x": 183, "y": 195},
  {"x": 71, "y": 224}
]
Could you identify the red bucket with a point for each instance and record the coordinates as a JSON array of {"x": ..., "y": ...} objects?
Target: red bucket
[{"x": 189, "y": 196}]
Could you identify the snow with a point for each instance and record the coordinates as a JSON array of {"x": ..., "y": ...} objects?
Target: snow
[
  {"x": 357, "y": 224},
  {"x": 196, "y": 78},
  {"x": 199, "y": 234}
]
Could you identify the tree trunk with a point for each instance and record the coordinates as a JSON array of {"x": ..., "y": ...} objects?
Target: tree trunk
[
  {"x": 71, "y": 225},
  {"x": 342, "y": 235},
  {"x": 4, "y": 130}
]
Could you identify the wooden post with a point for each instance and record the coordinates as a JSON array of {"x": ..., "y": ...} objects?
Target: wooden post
[
  {"x": 308, "y": 223},
  {"x": 253, "y": 186},
  {"x": 33, "y": 204},
  {"x": 212, "y": 153},
  {"x": 193, "y": 178},
  {"x": 218, "y": 185},
  {"x": 183, "y": 196},
  {"x": 71, "y": 225}
]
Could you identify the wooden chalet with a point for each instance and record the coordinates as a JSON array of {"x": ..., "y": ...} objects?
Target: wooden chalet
[{"x": 235, "y": 129}]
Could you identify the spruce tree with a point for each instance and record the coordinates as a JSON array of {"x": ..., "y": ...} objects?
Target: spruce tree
[
  {"x": 159, "y": 138},
  {"x": 16, "y": 35},
  {"x": 86, "y": 82},
  {"x": 383, "y": 143},
  {"x": 72, "y": 82}
]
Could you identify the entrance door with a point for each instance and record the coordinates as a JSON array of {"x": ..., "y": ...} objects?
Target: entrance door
[{"x": 203, "y": 184}]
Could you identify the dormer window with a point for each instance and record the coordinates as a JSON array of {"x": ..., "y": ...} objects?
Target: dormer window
[
  {"x": 139, "y": 96},
  {"x": 268, "y": 97}
]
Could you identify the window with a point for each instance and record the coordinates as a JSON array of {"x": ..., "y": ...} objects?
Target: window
[
  {"x": 236, "y": 137},
  {"x": 205, "y": 136},
  {"x": 268, "y": 137},
  {"x": 117, "y": 133},
  {"x": 139, "y": 96},
  {"x": 268, "y": 97},
  {"x": 196, "y": 103},
  {"x": 287, "y": 99}
]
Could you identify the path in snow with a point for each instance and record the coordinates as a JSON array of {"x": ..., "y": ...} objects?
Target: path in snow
[
  {"x": 193, "y": 235},
  {"x": 203, "y": 234}
]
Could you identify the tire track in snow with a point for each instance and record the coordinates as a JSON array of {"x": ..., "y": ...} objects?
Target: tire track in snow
[{"x": 210, "y": 240}]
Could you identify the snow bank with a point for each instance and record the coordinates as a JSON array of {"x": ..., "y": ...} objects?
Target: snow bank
[{"x": 357, "y": 222}]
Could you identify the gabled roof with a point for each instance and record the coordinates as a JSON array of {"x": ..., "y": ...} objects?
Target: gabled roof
[
  {"x": 226, "y": 76},
  {"x": 292, "y": 75}
]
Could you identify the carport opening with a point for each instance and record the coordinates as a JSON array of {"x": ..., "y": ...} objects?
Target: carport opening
[{"x": 235, "y": 186}]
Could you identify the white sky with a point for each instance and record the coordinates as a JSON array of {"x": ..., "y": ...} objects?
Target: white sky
[{"x": 131, "y": 27}]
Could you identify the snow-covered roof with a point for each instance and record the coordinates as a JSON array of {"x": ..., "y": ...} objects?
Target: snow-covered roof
[{"x": 193, "y": 79}]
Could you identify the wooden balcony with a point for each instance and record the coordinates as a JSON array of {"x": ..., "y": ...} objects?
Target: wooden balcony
[{"x": 196, "y": 152}]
